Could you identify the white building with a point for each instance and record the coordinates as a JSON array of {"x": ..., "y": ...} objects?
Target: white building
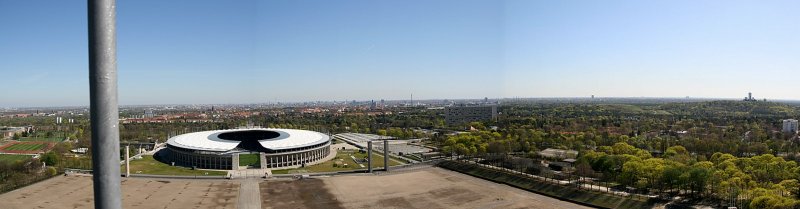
[{"x": 790, "y": 126}]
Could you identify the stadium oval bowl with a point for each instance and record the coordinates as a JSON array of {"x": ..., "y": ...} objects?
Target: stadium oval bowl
[{"x": 220, "y": 149}]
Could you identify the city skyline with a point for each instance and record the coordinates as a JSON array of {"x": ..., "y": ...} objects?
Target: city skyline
[{"x": 212, "y": 52}]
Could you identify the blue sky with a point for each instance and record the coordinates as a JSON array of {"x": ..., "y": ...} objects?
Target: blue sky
[{"x": 204, "y": 51}]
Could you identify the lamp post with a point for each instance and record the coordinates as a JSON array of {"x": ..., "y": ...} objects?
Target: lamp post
[{"x": 103, "y": 103}]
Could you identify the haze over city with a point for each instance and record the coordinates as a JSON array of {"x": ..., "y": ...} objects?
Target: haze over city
[{"x": 176, "y": 52}]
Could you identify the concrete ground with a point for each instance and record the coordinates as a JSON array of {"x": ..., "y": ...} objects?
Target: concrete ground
[
  {"x": 76, "y": 192},
  {"x": 405, "y": 149},
  {"x": 427, "y": 188}
]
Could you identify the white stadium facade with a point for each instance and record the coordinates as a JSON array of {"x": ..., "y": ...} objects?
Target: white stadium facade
[{"x": 220, "y": 149}]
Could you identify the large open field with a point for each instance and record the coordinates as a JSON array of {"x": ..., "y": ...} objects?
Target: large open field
[
  {"x": 25, "y": 147},
  {"x": 13, "y": 158},
  {"x": 428, "y": 188},
  {"x": 42, "y": 139}
]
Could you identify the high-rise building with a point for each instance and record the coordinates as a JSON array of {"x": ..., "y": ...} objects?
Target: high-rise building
[
  {"x": 465, "y": 114},
  {"x": 790, "y": 126}
]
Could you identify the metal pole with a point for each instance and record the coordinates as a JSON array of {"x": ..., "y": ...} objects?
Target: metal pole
[
  {"x": 386, "y": 155},
  {"x": 127, "y": 161},
  {"x": 103, "y": 103},
  {"x": 369, "y": 156}
]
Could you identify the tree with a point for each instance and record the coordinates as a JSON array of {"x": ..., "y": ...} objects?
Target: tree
[
  {"x": 678, "y": 154},
  {"x": 699, "y": 175},
  {"x": 583, "y": 169},
  {"x": 50, "y": 158},
  {"x": 477, "y": 125},
  {"x": 672, "y": 176}
]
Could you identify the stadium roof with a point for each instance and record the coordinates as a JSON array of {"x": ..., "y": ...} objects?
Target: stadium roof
[{"x": 210, "y": 141}]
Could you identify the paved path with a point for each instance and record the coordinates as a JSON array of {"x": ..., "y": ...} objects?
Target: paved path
[
  {"x": 249, "y": 173},
  {"x": 249, "y": 195}
]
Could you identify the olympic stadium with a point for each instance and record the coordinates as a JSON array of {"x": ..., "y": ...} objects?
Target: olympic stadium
[{"x": 220, "y": 149}]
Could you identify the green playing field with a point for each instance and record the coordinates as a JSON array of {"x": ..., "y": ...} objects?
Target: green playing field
[{"x": 25, "y": 147}]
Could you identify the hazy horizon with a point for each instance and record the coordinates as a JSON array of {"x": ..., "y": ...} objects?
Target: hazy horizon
[
  {"x": 244, "y": 52},
  {"x": 426, "y": 101}
]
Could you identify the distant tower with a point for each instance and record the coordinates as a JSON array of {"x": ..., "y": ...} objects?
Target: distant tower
[
  {"x": 592, "y": 96},
  {"x": 486, "y": 99},
  {"x": 749, "y": 97}
]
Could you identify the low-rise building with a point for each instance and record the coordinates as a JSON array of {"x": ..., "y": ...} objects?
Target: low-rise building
[{"x": 7, "y": 132}]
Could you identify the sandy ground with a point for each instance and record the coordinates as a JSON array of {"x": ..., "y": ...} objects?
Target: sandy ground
[
  {"x": 76, "y": 192},
  {"x": 426, "y": 188}
]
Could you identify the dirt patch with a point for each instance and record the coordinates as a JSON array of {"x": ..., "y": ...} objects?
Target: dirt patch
[
  {"x": 222, "y": 195},
  {"x": 306, "y": 193},
  {"x": 455, "y": 195},
  {"x": 395, "y": 202}
]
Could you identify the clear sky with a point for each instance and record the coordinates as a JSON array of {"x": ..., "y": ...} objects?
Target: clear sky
[{"x": 200, "y": 51}]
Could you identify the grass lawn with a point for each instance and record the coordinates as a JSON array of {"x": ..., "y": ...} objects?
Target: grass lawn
[
  {"x": 41, "y": 139},
  {"x": 249, "y": 160},
  {"x": 13, "y": 158},
  {"x": 148, "y": 165},
  {"x": 343, "y": 157},
  {"x": 564, "y": 192},
  {"x": 25, "y": 147}
]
